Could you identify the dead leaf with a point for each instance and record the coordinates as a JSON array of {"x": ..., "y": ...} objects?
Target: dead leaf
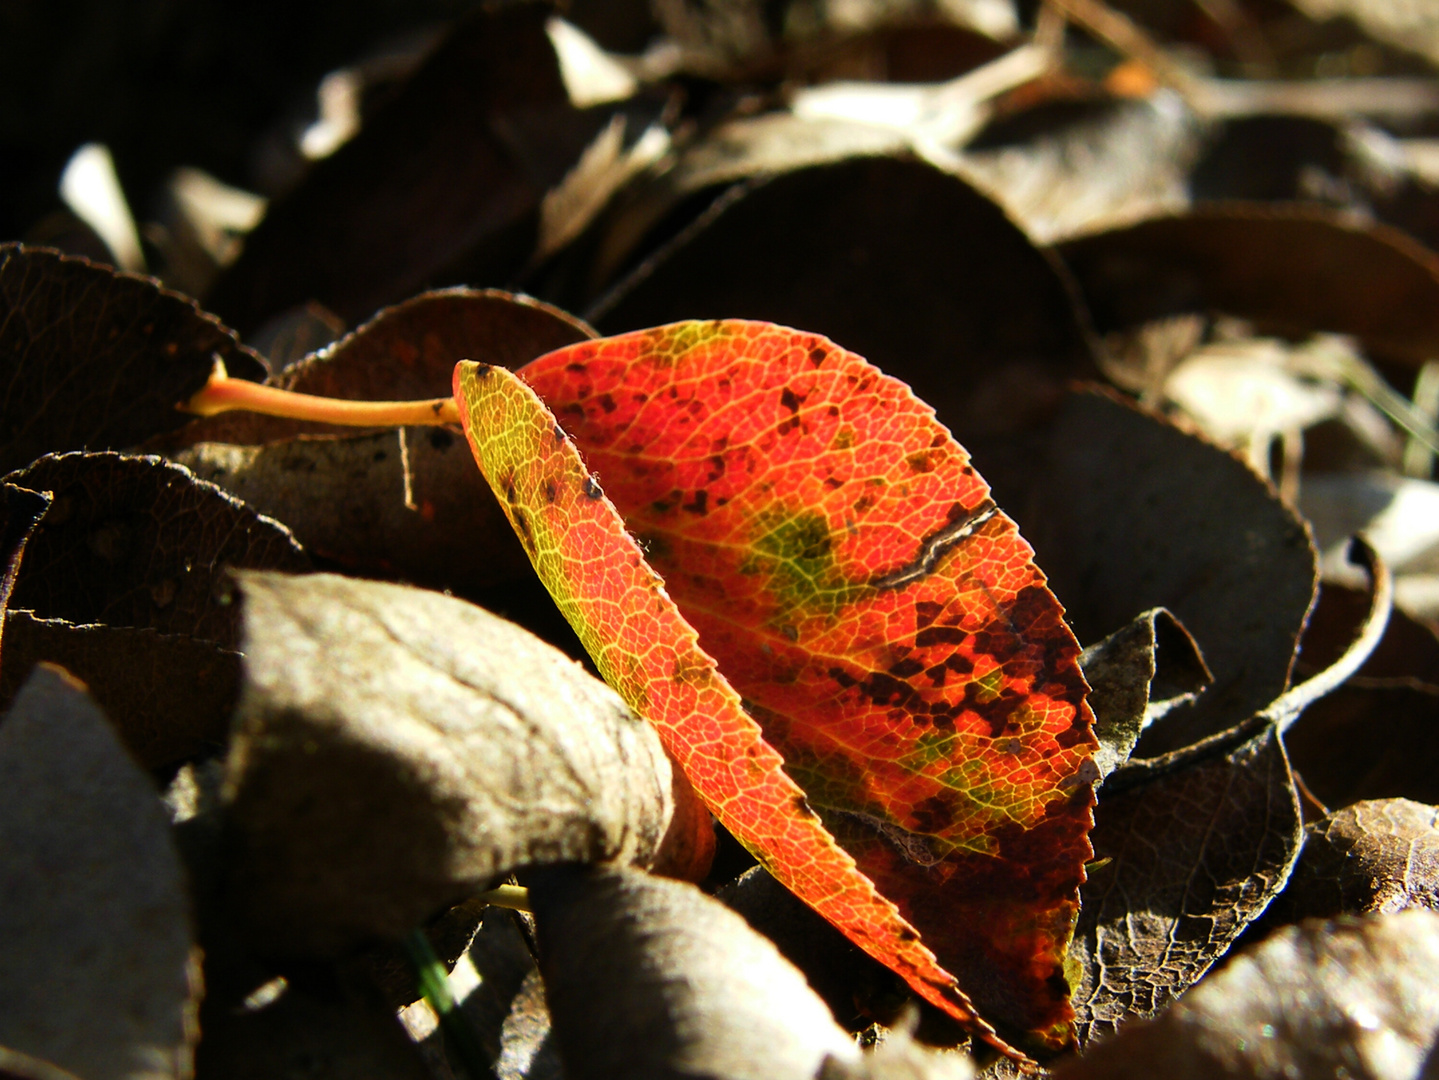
[
  {"x": 1126, "y": 512},
  {"x": 169, "y": 695},
  {"x": 1196, "y": 856},
  {"x": 1292, "y": 269},
  {"x": 647, "y": 977},
  {"x": 1128, "y": 688},
  {"x": 98, "y": 359},
  {"x": 1071, "y": 168},
  {"x": 136, "y": 541},
  {"x": 96, "y": 967},
  {"x": 1375, "y": 857},
  {"x": 1355, "y": 998},
  {"x": 417, "y": 748}
]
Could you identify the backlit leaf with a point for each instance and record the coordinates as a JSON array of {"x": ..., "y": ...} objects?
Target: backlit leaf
[
  {"x": 646, "y": 650},
  {"x": 883, "y": 620}
]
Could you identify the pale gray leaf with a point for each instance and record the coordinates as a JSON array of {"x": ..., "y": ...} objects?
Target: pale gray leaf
[
  {"x": 96, "y": 967},
  {"x": 648, "y": 977},
  {"x": 397, "y": 750}
]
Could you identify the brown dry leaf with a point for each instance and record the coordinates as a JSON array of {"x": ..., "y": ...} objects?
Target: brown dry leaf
[
  {"x": 442, "y": 184},
  {"x": 136, "y": 541},
  {"x": 396, "y": 750},
  {"x": 903, "y": 263},
  {"x": 651, "y": 978},
  {"x": 1292, "y": 269},
  {"x": 1127, "y": 512},
  {"x": 410, "y": 505},
  {"x": 1353, "y": 998},
  {"x": 1375, "y": 857},
  {"x": 96, "y": 967},
  {"x": 1196, "y": 856},
  {"x": 98, "y": 359},
  {"x": 1069, "y": 168},
  {"x": 170, "y": 695}
]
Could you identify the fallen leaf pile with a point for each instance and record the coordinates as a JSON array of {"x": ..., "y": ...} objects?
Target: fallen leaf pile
[{"x": 937, "y": 573}]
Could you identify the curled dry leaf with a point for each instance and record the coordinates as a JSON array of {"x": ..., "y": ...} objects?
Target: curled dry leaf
[
  {"x": 95, "y": 358},
  {"x": 1195, "y": 857},
  {"x": 651, "y": 978},
  {"x": 1354, "y": 998},
  {"x": 1293, "y": 270},
  {"x": 1378, "y": 856},
  {"x": 96, "y": 968},
  {"x": 1128, "y": 688},
  {"x": 416, "y": 748}
]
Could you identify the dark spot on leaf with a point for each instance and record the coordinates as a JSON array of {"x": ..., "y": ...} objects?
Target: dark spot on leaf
[
  {"x": 940, "y": 635},
  {"x": 698, "y": 505},
  {"x": 592, "y": 488},
  {"x": 790, "y": 400},
  {"x": 550, "y": 491},
  {"x": 906, "y": 669},
  {"x": 817, "y": 355},
  {"x": 925, "y": 612},
  {"x": 607, "y": 403}
]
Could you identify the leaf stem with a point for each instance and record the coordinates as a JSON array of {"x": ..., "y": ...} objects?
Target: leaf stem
[
  {"x": 434, "y": 985},
  {"x": 224, "y": 394}
]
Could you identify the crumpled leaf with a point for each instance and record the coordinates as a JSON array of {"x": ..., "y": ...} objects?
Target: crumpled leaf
[
  {"x": 560, "y": 513},
  {"x": 1196, "y": 856},
  {"x": 1354, "y": 998},
  {"x": 843, "y": 562},
  {"x": 1128, "y": 690},
  {"x": 868, "y": 252},
  {"x": 651, "y": 978},
  {"x": 98, "y": 359},
  {"x": 1292, "y": 269},
  {"x": 97, "y": 974},
  {"x": 443, "y": 184},
  {"x": 1375, "y": 857},
  {"x": 417, "y": 748}
]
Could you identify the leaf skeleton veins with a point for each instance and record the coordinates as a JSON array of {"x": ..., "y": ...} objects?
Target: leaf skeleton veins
[{"x": 935, "y": 548}]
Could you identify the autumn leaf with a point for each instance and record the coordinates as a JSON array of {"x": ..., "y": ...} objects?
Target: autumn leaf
[
  {"x": 883, "y": 620},
  {"x": 646, "y": 650}
]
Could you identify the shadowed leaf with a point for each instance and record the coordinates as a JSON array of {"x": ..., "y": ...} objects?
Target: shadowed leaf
[
  {"x": 92, "y": 358},
  {"x": 417, "y": 748},
  {"x": 96, "y": 971},
  {"x": 651, "y": 978}
]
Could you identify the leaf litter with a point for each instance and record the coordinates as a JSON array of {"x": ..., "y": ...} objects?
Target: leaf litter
[{"x": 704, "y": 183}]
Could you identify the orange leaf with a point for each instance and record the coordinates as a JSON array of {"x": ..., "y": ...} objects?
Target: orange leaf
[
  {"x": 646, "y": 650},
  {"x": 884, "y": 621}
]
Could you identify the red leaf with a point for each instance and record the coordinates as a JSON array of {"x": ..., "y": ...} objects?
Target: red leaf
[
  {"x": 884, "y": 622},
  {"x": 646, "y": 650}
]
